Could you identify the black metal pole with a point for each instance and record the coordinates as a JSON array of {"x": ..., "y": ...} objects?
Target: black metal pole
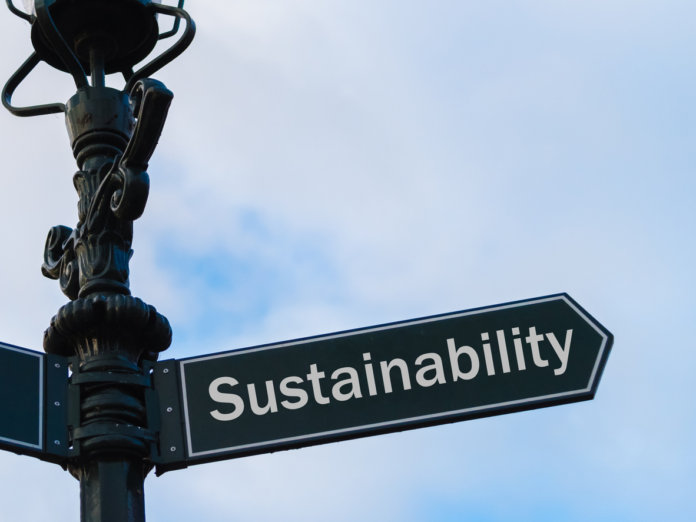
[
  {"x": 111, "y": 337},
  {"x": 110, "y": 334},
  {"x": 112, "y": 491}
]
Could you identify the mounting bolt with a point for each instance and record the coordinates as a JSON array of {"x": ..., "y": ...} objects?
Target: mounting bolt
[
  {"x": 57, "y": 403},
  {"x": 172, "y": 449},
  {"x": 169, "y": 409},
  {"x": 56, "y": 442},
  {"x": 166, "y": 370}
]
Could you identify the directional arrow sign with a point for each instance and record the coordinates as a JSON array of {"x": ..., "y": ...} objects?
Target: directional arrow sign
[
  {"x": 446, "y": 368},
  {"x": 29, "y": 381},
  {"x": 21, "y": 397}
]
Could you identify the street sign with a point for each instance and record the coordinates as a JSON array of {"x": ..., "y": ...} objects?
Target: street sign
[
  {"x": 488, "y": 361},
  {"x": 21, "y": 397},
  {"x": 33, "y": 390}
]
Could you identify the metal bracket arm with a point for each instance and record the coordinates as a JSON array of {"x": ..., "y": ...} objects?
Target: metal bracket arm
[
  {"x": 26, "y": 16},
  {"x": 171, "y": 53},
  {"x": 12, "y": 84}
]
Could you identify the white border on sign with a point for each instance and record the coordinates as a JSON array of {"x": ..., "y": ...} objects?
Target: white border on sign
[
  {"x": 411, "y": 420},
  {"x": 40, "y": 356}
]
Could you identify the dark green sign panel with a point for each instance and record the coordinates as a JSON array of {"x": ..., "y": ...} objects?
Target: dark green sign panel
[
  {"x": 487, "y": 361},
  {"x": 21, "y": 397}
]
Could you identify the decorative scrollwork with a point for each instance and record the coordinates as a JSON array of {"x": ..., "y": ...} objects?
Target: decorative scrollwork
[
  {"x": 129, "y": 196},
  {"x": 91, "y": 260},
  {"x": 151, "y": 100},
  {"x": 59, "y": 260},
  {"x": 113, "y": 192}
]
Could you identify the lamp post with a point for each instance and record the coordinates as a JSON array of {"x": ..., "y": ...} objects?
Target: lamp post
[{"x": 112, "y": 337}]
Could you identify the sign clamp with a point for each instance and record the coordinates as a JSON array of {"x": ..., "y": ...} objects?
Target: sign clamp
[{"x": 167, "y": 409}]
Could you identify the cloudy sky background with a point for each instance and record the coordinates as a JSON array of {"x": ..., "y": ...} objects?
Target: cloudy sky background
[{"x": 335, "y": 164}]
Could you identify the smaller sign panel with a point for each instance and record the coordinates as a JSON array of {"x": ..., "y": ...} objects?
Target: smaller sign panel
[
  {"x": 21, "y": 398},
  {"x": 433, "y": 370}
]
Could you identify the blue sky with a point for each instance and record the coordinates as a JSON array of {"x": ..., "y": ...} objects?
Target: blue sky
[{"x": 333, "y": 164}]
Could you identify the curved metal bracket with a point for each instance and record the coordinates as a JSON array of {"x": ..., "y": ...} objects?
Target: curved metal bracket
[
  {"x": 171, "y": 53},
  {"x": 12, "y": 84},
  {"x": 26, "y": 16},
  {"x": 175, "y": 27},
  {"x": 151, "y": 104},
  {"x": 60, "y": 47},
  {"x": 125, "y": 183},
  {"x": 152, "y": 100}
]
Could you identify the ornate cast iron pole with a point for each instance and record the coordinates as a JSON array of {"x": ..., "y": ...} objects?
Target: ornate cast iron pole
[{"x": 112, "y": 336}]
